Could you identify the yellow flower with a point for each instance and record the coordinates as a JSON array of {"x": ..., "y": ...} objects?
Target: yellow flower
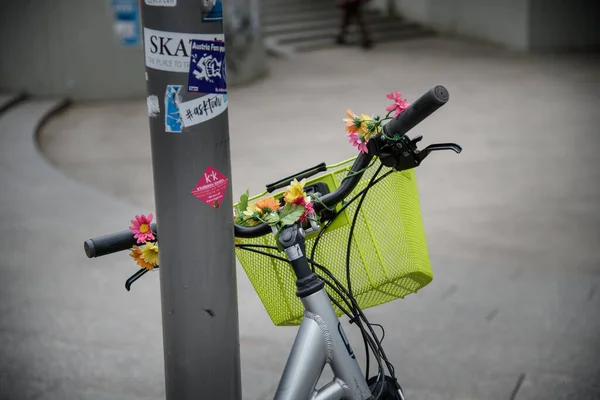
[
  {"x": 248, "y": 215},
  {"x": 150, "y": 254},
  {"x": 251, "y": 210},
  {"x": 267, "y": 205},
  {"x": 368, "y": 126},
  {"x": 136, "y": 254},
  {"x": 295, "y": 190}
]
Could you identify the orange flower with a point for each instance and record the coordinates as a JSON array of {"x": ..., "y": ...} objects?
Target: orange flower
[
  {"x": 267, "y": 205},
  {"x": 352, "y": 122},
  {"x": 136, "y": 254}
]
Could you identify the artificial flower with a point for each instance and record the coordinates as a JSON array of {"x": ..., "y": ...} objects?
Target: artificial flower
[
  {"x": 308, "y": 209},
  {"x": 248, "y": 216},
  {"x": 352, "y": 122},
  {"x": 251, "y": 210},
  {"x": 356, "y": 141},
  {"x": 267, "y": 205},
  {"x": 368, "y": 127},
  {"x": 305, "y": 202},
  {"x": 141, "y": 228},
  {"x": 136, "y": 254},
  {"x": 150, "y": 253},
  {"x": 295, "y": 190},
  {"x": 399, "y": 105}
]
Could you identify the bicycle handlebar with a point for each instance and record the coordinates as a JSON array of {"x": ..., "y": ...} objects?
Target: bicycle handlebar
[{"x": 423, "y": 107}]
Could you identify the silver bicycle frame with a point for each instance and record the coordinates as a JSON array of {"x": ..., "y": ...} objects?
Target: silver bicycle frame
[{"x": 321, "y": 340}]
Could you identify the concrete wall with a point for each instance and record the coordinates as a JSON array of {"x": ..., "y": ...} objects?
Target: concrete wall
[
  {"x": 564, "y": 24},
  {"x": 69, "y": 47},
  {"x": 528, "y": 25}
]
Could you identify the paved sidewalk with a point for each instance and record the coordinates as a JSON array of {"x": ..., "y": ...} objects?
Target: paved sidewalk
[{"x": 512, "y": 227}]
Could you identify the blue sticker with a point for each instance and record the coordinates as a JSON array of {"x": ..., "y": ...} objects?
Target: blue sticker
[
  {"x": 127, "y": 21},
  {"x": 212, "y": 11},
  {"x": 173, "y": 121},
  {"x": 207, "y": 67}
]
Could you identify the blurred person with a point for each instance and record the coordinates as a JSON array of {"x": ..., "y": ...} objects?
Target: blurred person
[{"x": 353, "y": 10}]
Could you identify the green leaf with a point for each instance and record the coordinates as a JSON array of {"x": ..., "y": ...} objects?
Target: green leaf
[
  {"x": 292, "y": 215},
  {"x": 279, "y": 246},
  {"x": 243, "y": 204},
  {"x": 273, "y": 219}
]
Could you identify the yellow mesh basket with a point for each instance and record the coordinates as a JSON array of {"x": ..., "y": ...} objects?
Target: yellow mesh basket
[{"x": 388, "y": 260}]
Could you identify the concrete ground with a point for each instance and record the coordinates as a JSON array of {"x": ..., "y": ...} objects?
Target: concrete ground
[{"x": 512, "y": 226}]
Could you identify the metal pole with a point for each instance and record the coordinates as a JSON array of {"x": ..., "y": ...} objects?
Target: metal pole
[{"x": 187, "y": 108}]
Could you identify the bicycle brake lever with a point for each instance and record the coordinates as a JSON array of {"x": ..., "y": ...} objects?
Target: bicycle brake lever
[
  {"x": 135, "y": 277},
  {"x": 416, "y": 139},
  {"x": 420, "y": 155}
]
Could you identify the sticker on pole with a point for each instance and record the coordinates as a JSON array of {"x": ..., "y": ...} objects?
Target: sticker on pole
[
  {"x": 170, "y": 51},
  {"x": 207, "y": 67},
  {"x": 161, "y": 3},
  {"x": 173, "y": 121},
  {"x": 211, "y": 187},
  {"x": 202, "y": 109},
  {"x": 126, "y": 23},
  {"x": 212, "y": 11}
]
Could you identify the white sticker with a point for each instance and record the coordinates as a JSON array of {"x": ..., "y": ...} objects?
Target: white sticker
[
  {"x": 170, "y": 51},
  {"x": 162, "y": 3},
  {"x": 202, "y": 109},
  {"x": 153, "y": 106},
  {"x": 293, "y": 252}
]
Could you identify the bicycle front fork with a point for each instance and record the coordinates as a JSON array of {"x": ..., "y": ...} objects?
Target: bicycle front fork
[{"x": 320, "y": 340}]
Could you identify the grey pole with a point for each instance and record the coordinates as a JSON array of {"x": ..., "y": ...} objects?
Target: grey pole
[{"x": 192, "y": 188}]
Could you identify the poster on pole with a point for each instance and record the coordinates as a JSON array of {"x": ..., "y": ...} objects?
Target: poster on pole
[
  {"x": 212, "y": 10},
  {"x": 207, "y": 67},
  {"x": 126, "y": 21}
]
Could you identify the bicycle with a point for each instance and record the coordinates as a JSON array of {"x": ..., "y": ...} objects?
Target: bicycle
[{"x": 320, "y": 338}]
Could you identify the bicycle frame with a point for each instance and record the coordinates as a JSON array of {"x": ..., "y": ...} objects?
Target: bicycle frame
[{"x": 320, "y": 339}]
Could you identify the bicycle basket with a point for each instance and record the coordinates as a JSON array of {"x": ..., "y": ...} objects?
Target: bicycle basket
[{"x": 388, "y": 258}]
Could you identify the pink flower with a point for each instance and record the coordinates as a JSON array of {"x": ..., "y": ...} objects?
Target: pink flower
[
  {"x": 399, "y": 103},
  {"x": 141, "y": 228},
  {"x": 307, "y": 204},
  {"x": 356, "y": 141}
]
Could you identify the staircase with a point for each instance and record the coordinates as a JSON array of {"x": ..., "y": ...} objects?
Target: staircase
[{"x": 301, "y": 25}]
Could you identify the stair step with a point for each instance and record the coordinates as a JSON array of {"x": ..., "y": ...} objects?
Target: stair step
[
  {"x": 292, "y": 8},
  {"x": 304, "y": 25},
  {"x": 331, "y": 31},
  {"x": 371, "y": 20},
  {"x": 379, "y": 37},
  {"x": 327, "y": 18},
  {"x": 305, "y": 15},
  {"x": 264, "y": 4}
]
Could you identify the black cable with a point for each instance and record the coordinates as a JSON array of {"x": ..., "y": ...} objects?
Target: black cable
[
  {"x": 348, "y": 280},
  {"x": 247, "y": 246},
  {"x": 370, "y": 339},
  {"x": 344, "y": 206},
  {"x": 380, "y": 354},
  {"x": 382, "y": 331},
  {"x": 367, "y": 356},
  {"x": 338, "y": 292},
  {"x": 366, "y": 339},
  {"x": 354, "y": 219},
  {"x": 377, "y": 346},
  {"x": 372, "y": 342}
]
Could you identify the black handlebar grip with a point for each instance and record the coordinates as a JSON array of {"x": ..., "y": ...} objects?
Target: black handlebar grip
[
  {"x": 111, "y": 243},
  {"x": 422, "y": 108}
]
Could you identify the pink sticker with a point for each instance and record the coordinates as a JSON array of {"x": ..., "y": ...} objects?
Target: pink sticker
[{"x": 211, "y": 187}]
